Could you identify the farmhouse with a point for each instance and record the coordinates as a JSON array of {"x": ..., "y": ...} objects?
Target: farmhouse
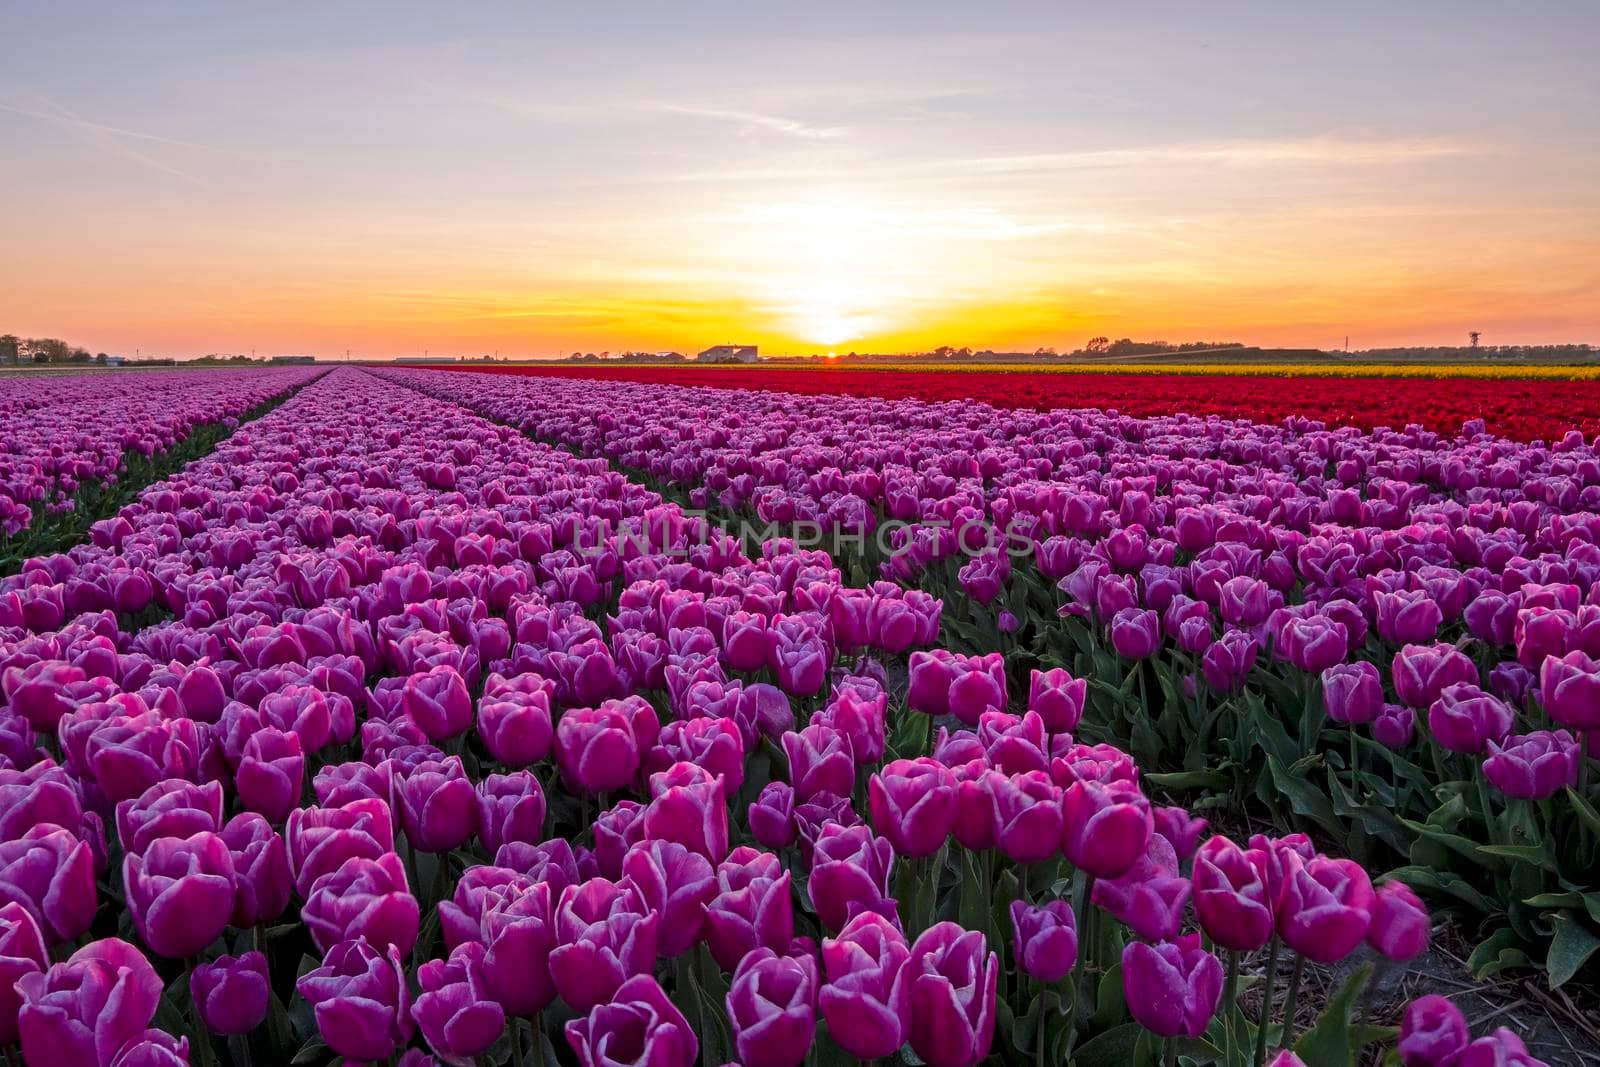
[{"x": 728, "y": 354}]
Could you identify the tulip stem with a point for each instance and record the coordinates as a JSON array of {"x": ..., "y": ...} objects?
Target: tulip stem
[
  {"x": 1292, "y": 1001},
  {"x": 1266, "y": 1004},
  {"x": 441, "y": 878},
  {"x": 239, "y": 1050},
  {"x": 1171, "y": 1057},
  {"x": 1230, "y": 1000},
  {"x": 202, "y": 1044}
]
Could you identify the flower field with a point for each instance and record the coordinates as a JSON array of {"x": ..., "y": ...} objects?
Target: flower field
[
  {"x": 503, "y": 719},
  {"x": 1523, "y": 403}
]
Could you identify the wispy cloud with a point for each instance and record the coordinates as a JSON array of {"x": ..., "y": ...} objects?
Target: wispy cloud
[
  {"x": 1330, "y": 151},
  {"x": 111, "y": 138},
  {"x": 754, "y": 119}
]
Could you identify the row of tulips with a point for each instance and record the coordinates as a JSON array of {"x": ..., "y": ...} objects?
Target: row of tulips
[
  {"x": 63, "y": 435},
  {"x": 1388, "y": 638},
  {"x": 1523, "y": 403},
  {"x": 420, "y": 741}
]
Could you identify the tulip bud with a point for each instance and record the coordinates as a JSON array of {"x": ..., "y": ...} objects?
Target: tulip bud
[
  {"x": 85, "y": 1010},
  {"x": 638, "y": 1018},
  {"x": 1105, "y": 828},
  {"x": 231, "y": 993},
  {"x": 772, "y": 1008},
  {"x": 951, "y": 981},
  {"x": 1432, "y": 1033},
  {"x": 1045, "y": 939},
  {"x": 1400, "y": 924},
  {"x": 1171, "y": 989},
  {"x": 458, "y": 1018},
  {"x": 913, "y": 804},
  {"x": 360, "y": 1000},
  {"x": 180, "y": 893}
]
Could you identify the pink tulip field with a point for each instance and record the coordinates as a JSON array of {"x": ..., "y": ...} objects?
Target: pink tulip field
[{"x": 396, "y": 716}]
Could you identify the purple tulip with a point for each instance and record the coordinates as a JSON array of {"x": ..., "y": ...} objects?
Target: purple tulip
[
  {"x": 597, "y": 748},
  {"x": 1569, "y": 688},
  {"x": 438, "y": 700},
  {"x": 1135, "y": 633},
  {"x": 1151, "y": 897},
  {"x": 1045, "y": 939},
  {"x": 261, "y": 869},
  {"x": 1395, "y": 726},
  {"x": 820, "y": 761},
  {"x": 1400, "y": 924},
  {"x": 232, "y": 994},
  {"x": 850, "y": 872},
  {"x": 1228, "y": 661},
  {"x": 1027, "y": 814},
  {"x": 22, "y": 952},
  {"x": 950, "y": 981},
  {"x": 1466, "y": 719},
  {"x": 1407, "y": 617},
  {"x": 180, "y": 893},
  {"x": 43, "y": 793},
  {"x": 1533, "y": 766},
  {"x": 913, "y": 804},
  {"x": 1231, "y": 895},
  {"x": 639, "y": 1025},
  {"x": 676, "y": 884},
  {"x": 1326, "y": 907},
  {"x": 864, "y": 1001},
  {"x": 1315, "y": 643},
  {"x": 1105, "y": 828},
  {"x": 271, "y": 774},
  {"x": 1503, "y": 1048},
  {"x": 1422, "y": 672},
  {"x": 363, "y": 898},
  {"x": 1172, "y": 989},
  {"x": 1181, "y": 830},
  {"x": 360, "y": 1000},
  {"x": 172, "y": 808},
  {"x": 715, "y": 744},
  {"x": 616, "y": 830},
  {"x": 85, "y": 1010},
  {"x": 457, "y": 1016},
  {"x": 1432, "y": 1033},
  {"x": 745, "y": 641},
  {"x": 321, "y": 839},
  {"x": 689, "y": 807},
  {"x": 437, "y": 804},
  {"x": 1058, "y": 698},
  {"x": 861, "y": 719},
  {"x": 1352, "y": 692},
  {"x": 753, "y": 907},
  {"x": 519, "y": 933},
  {"x": 511, "y": 807},
  {"x": 50, "y": 872},
  {"x": 605, "y": 935},
  {"x": 516, "y": 726},
  {"x": 772, "y": 1008},
  {"x": 153, "y": 1048},
  {"x": 771, "y": 816},
  {"x": 946, "y": 683}
]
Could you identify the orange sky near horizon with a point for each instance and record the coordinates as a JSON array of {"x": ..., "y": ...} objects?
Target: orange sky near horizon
[{"x": 393, "y": 180}]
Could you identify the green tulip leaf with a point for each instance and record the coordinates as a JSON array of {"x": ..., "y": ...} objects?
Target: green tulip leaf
[{"x": 1570, "y": 949}]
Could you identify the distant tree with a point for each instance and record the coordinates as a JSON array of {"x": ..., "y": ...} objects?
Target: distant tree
[
  {"x": 10, "y": 346},
  {"x": 1097, "y": 345},
  {"x": 1473, "y": 335},
  {"x": 47, "y": 350}
]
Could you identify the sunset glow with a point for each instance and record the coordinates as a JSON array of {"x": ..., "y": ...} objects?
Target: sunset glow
[{"x": 534, "y": 183}]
